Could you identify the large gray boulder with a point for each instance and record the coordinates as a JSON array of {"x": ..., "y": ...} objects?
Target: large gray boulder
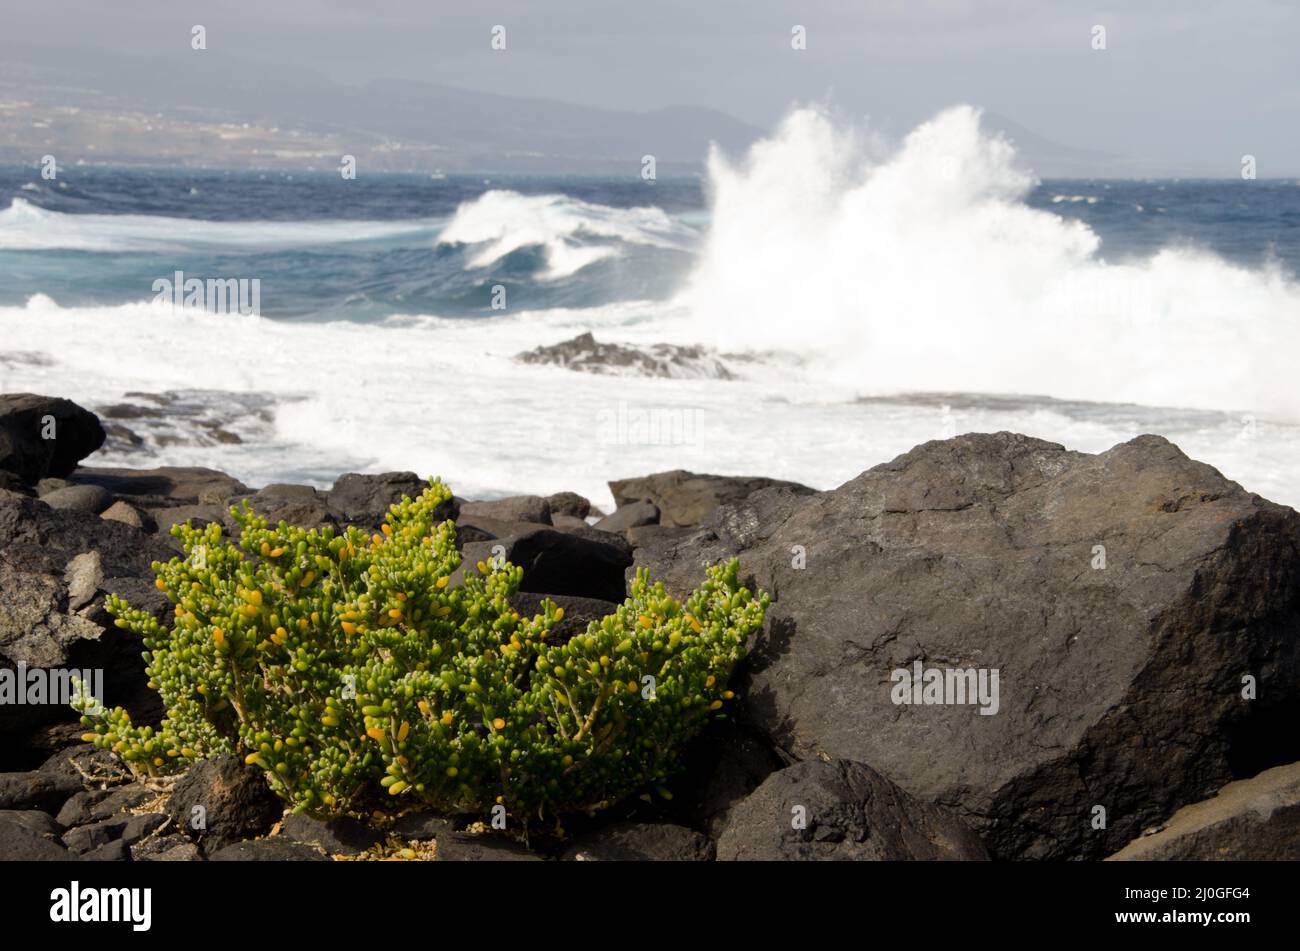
[
  {"x": 1130, "y": 603},
  {"x": 45, "y": 436}
]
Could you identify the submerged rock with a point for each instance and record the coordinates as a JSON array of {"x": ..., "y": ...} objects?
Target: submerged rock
[{"x": 584, "y": 353}]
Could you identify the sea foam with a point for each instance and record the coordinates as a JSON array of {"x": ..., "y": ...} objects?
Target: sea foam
[{"x": 924, "y": 269}]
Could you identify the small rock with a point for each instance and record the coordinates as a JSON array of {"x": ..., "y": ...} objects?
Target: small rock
[
  {"x": 569, "y": 503},
  {"x": 518, "y": 508},
  {"x": 468, "y": 847},
  {"x": 89, "y": 837},
  {"x": 342, "y": 836},
  {"x": 641, "y": 841},
  {"x": 422, "y": 826},
  {"x": 96, "y": 805},
  {"x": 198, "y": 516},
  {"x": 236, "y": 802},
  {"x": 673, "y": 361},
  {"x": 82, "y": 763},
  {"x": 632, "y": 515},
  {"x": 841, "y": 810},
  {"x": 172, "y": 847},
  {"x": 128, "y": 514},
  {"x": 140, "y": 826},
  {"x": 19, "y": 843},
  {"x": 33, "y": 820},
  {"x": 115, "y": 851},
  {"x": 36, "y": 790},
  {"x": 79, "y": 498},
  {"x": 277, "y": 849},
  {"x": 84, "y": 577}
]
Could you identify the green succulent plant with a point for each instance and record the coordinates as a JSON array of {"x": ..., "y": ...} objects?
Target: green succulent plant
[{"x": 343, "y": 664}]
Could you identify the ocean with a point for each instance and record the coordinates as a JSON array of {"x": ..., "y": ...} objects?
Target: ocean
[{"x": 862, "y": 298}]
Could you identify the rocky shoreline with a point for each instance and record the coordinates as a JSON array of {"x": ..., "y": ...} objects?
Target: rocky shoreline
[{"x": 1137, "y": 613}]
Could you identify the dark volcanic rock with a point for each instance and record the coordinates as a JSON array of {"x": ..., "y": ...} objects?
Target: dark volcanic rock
[
  {"x": 587, "y": 565},
  {"x": 193, "y": 484},
  {"x": 297, "y": 505},
  {"x": 679, "y": 562},
  {"x": 34, "y": 537},
  {"x": 343, "y": 836},
  {"x": 842, "y": 810},
  {"x": 1120, "y": 686},
  {"x": 196, "y": 516},
  {"x": 468, "y": 847},
  {"x": 80, "y": 839},
  {"x": 221, "y": 801},
  {"x": 365, "y": 499},
  {"x": 720, "y": 768},
  {"x": 128, "y": 514},
  {"x": 22, "y": 840},
  {"x": 33, "y": 820},
  {"x": 171, "y": 847},
  {"x": 1253, "y": 819},
  {"x": 55, "y": 570},
  {"x": 114, "y": 851},
  {"x": 276, "y": 849},
  {"x": 79, "y": 498},
  {"x": 685, "y": 498},
  {"x": 422, "y": 826},
  {"x": 516, "y": 508},
  {"x": 584, "y": 353},
  {"x": 84, "y": 763},
  {"x": 641, "y": 841},
  {"x": 26, "y": 422},
  {"x": 95, "y": 805},
  {"x": 631, "y": 515},
  {"x": 36, "y": 789},
  {"x": 578, "y": 612},
  {"x": 569, "y": 503},
  {"x": 657, "y": 536}
]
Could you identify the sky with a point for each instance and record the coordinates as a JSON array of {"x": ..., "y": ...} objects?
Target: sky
[{"x": 1180, "y": 81}]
